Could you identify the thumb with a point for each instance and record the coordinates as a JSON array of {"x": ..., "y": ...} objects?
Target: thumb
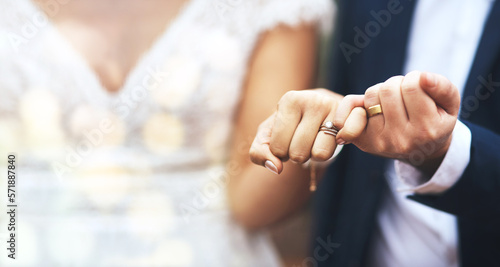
[
  {"x": 442, "y": 91},
  {"x": 260, "y": 151}
]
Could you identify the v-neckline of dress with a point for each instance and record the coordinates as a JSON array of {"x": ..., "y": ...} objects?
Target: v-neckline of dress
[{"x": 83, "y": 64}]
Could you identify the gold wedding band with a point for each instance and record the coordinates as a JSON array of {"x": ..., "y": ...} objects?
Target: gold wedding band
[{"x": 374, "y": 110}]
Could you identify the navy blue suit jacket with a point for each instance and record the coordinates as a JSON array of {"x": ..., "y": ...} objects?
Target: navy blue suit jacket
[{"x": 349, "y": 195}]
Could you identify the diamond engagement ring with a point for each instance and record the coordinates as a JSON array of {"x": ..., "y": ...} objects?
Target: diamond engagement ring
[{"x": 329, "y": 128}]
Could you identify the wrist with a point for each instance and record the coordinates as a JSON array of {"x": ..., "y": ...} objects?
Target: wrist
[{"x": 432, "y": 159}]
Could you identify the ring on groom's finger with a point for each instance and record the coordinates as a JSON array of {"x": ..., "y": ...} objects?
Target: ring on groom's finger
[
  {"x": 329, "y": 128},
  {"x": 374, "y": 110}
]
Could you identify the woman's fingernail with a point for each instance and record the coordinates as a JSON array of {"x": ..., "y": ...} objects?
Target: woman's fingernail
[
  {"x": 270, "y": 166},
  {"x": 340, "y": 141}
]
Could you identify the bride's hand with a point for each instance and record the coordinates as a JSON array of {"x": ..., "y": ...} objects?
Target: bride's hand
[{"x": 292, "y": 131}]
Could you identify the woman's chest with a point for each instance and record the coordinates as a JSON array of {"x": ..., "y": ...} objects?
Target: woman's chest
[{"x": 112, "y": 37}]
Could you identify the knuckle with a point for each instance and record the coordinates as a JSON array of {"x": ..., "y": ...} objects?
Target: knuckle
[
  {"x": 371, "y": 94},
  {"x": 315, "y": 103},
  {"x": 395, "y": 79},
  {"x": 425, "y": 131},
  {"x": 279, "y": 151},
  {"x": 409, "y": 90},
  {"x": 411, "y": 82},
  {"x": 279, "y": 119},
  {"x": 405, "y": 148},
  {"x": 430, "y": 134},
  {"x": 318, "y": 106},
  {"x": 391, "y": 86},
  {"x": 348, "y": 100},
  {"x": 321, "y": 154},
  {"x": 372, "y": 91},
  {"x": 413, "y": 76},
  {"x": 289, "y": 98},
  {"x": 327, "y": 104},
  {"x": 413, "y": 73},
  {"x": 299, "y": 157},
  {"x": 386, "y": 89},
  {"x": 382, "y": 147},
  {"x": 326, "y": 101},
  {"x": 409, "y": 87}
]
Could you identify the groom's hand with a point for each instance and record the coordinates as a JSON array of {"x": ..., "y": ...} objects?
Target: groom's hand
[{"x": 419, "y": 114}]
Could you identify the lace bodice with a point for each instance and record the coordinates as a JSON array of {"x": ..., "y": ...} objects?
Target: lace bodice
[{"x": 135, "y": 178}]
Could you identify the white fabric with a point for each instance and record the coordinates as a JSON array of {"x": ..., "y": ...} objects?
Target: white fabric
[
  {"x": 411, "y": 234},
  {"x": 443, "y": 39},
  {"x": 150, "y": 191}
]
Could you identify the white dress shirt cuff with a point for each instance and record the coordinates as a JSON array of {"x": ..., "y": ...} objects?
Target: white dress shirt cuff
[{"x": 449, "y": 172}]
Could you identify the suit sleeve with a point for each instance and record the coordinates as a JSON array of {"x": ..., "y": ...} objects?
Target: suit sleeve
[{"x": 476, "y": 194}]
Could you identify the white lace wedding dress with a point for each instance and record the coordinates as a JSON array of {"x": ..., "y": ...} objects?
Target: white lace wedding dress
[{"x": 135, "y": 178}]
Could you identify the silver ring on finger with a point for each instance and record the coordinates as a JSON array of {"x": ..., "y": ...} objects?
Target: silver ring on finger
[{"x": 329, "y": 128}]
